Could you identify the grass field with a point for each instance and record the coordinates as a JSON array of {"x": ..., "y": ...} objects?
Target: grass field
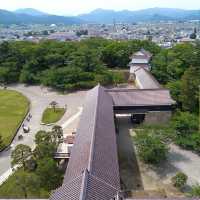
[
  {"x": 13, "y": 108},
  {"x": 51, "y": 116},
  {"x": 10, "y": 189}
]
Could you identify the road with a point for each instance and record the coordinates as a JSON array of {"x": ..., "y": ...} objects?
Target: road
[{"x": 40, "y": 98}]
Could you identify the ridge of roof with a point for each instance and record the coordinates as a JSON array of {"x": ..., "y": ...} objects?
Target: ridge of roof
[
  {"x": 83, "y": 192},
  {"x": 99, "y": 179},
  {"x": 98, "y": 87},
  {"x": 152, "y": 77},
  {"x": 134, "y": 90}
]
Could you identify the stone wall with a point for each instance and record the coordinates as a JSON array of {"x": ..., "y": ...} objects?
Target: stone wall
[{"x": 157, "y": 117}]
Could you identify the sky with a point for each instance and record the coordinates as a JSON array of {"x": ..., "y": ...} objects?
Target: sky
[{"x": 74, "y": 7}]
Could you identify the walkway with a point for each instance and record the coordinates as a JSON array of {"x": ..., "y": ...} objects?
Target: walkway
[
  {"x": 187, "y": 162},
  {"x": 40, "y": 99}
]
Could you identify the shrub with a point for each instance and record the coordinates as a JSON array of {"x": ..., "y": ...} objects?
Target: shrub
[
  {"x": 150, "y": 148},
  {"x": 195, "y": 192},
  {"x": 185, "y": 123},
  {"x": 179, "y": 180},
  {"x": 190, "y": 142}
]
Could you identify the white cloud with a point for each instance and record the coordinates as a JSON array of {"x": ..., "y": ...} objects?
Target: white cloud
[{"x": 69, "y": 7}]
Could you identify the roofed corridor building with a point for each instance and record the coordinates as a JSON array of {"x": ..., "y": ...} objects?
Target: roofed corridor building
[{"x": 93, "y": 169}]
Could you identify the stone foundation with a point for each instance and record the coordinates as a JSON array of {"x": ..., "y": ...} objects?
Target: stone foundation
[{"x": 157, "y": 117}]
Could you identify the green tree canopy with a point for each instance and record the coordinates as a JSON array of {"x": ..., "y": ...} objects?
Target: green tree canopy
[
  {"x": 20, "y": 155},
  {"x": 49, "y": 174},
  {"x": 150, "y": 148},
  {"x": 27, "y": 183}
]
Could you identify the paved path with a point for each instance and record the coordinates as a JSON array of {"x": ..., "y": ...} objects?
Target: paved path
[
  {"x": 40, "y": 99},
  {"x": 187, "y": 162}
]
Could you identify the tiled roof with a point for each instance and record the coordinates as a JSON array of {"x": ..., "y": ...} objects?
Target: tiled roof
[
  {"x": 138, "y": 97},
  {"x": 94, "y": 152},
  {"x": 145, "y": 79},
  {"x": 71, "y": 190},
  {"x": 93, "y": 170},
  {"x": 142, "y": 54}
]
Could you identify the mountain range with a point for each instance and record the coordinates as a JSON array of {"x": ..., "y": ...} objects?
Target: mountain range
[
  {"x": 151, "y": 14},
  {"x": 30, "y": 11},
  {"x": 29, "y": 15}
]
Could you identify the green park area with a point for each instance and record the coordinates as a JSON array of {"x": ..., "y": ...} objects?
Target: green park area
[
  {"x": 13, "y": 108},
  {"x": 52, "y": 115},
  {"x": 13, "y": 187}
]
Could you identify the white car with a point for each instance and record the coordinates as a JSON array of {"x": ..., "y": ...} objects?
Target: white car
[{"x": 26, "y": 129}]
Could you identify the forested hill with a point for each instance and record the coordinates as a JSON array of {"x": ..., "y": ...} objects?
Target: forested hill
[
  {"x": 7, "y": 17},
  {"x": 146, "y": 15}
]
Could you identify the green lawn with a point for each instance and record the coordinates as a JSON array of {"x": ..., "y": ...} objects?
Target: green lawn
[
  {"x": 10, "y": 189},
  {"x": 51, "y": 116},
  {"x": 13, "y": 108}
]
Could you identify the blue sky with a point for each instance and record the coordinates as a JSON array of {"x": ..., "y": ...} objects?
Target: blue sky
[{"x": 74, "y": 7}]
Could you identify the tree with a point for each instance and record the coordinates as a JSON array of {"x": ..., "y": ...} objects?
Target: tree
[
  {"x": 49, "y": 173},
  {"x": 20, "y": 155},
  {"x": 185, "y": 123},
  {"x": 175, "y": 90},
  {"x": 27, "y": 183},
  {"x": 150, "y": 148},
  {"x": 57, "y": 133},
  {"x": 45, "y": 145},
  {"x": 44, "y": 150},
  {"x": 42, "y": 137},
  {"x": 53, "y": 104},
  {"x": 179, "y": 180},
  {"x": 190, "y": 89}
]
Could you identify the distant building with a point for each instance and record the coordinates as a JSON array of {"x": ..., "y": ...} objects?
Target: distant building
[
  {"x": 140, "y": 59},
  {"x": 143, "y": 79},
  {"x": 63, "y": 36},
  {"x": 140, "y": 71},
  {"x": 186, "y": 40}
]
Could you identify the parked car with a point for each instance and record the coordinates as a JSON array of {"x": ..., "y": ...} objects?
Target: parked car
[
  {"x": 20, "y": 137},
  {"x": 26, "y": 129}
]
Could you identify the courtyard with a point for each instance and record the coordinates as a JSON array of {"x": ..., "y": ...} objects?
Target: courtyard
[{"x": 141, "y": 180}]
